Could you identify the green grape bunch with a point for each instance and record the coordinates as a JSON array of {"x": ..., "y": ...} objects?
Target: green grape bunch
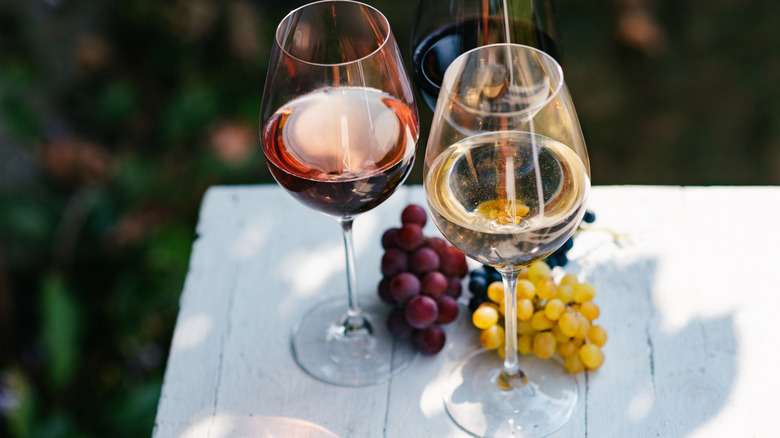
[{"x": 552, "y": 317}]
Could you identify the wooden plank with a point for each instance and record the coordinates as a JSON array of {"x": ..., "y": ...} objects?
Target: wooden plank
[{"x": 189, "y": 392}]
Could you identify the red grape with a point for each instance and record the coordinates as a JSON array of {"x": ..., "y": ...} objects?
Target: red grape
[
  {"x": 448, "y": 309},
  {"x": 394, "y": 261},
  {"x": 403, "y": 287},
  {"x": 421, "y": 311},
  {"x": 423, "y": 260},
  {"x": 422, "y": 277},
  {"x": 436, "y": 244},
  {"x": 397, "y": 325},
  {"x": 454, "y": 287},
  {"x": 434, "y": 284},
  {"x": 414, "y": 214},
  {"x": 429, "y": 341},
  {"x": 388, "y": 238},
  {"x": 384, "y": 291},
  {"x": 410, "y": 237},
  {"x": 453, "y": 262}
]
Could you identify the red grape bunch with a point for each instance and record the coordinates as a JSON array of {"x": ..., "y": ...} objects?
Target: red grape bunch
[{"x": 422, "y": 278}]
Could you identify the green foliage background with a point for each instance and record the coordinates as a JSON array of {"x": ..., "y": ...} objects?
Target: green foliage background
[{"x": 115, "y": 116}]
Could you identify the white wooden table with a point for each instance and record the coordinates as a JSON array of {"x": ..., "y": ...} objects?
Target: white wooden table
[{"x": 690, "y": 297}]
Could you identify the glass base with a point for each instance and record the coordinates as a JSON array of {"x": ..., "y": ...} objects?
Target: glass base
[
  {"x": 327, "y": 352},
  {"x": 479, "y": 406}
]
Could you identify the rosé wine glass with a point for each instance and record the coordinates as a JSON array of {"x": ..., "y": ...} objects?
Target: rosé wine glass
[{"x": 339, "y": 128}]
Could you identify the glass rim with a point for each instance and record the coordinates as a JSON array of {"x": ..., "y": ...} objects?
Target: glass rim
[
  {"x": 387, "y": 33},
  {"x": 530, "y": 109}
]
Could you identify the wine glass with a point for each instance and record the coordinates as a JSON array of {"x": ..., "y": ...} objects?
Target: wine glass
[
  {"x": 507, "y": 179},
  {"x": 443, "y": 29},
  {"x": 339, "y": 128}
]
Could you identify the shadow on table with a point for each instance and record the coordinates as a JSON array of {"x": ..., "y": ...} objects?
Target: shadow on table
[
  {"x": 654, "y": 382},
  {"x": 674, "y": 381}
]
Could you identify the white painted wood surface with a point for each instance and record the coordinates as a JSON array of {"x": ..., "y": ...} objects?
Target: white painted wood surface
[{"x": 689, "y": 296}]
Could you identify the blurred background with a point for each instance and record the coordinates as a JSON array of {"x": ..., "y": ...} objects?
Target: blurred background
[{"x": 116, "y": 115}]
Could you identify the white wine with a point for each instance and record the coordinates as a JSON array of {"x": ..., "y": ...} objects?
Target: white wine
[{"x": 484, "y": 196}]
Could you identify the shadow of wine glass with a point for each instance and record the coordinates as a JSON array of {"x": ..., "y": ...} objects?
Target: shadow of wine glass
[
  {"x": 654, "y": 382},
  {"x": 679, "y": 379}
]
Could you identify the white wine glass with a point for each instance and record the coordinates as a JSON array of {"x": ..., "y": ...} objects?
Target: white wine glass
[
  {"x": 507, "y": 180},
  {"x": 339, "y": 128}
]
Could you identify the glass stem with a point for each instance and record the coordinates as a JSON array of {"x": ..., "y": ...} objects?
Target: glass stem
[
  {"x": 511, "y": 376},
  {"x": 354, "y": 323}
]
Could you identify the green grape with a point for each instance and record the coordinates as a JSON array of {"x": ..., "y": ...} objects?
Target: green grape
[
  {"x": 501, "y": 350},
  {"x": 591, "y": 356},
  {"x": 492, "y": 337},
  {"x": 495, "y": 291},
  {"x": 525, "y": 343},
  {"x": 589, "y": 310},
  {"x": 525, "y": 309},
  {"x": 574, "y": 364},
  {"x": 569, "y": 323},
  {"x": 546, "y": 288},
  {"x": 558, "y": 334},
  {"x": 538, "y": 271},
  {"x": 525, "y": 289},
  {"x": 570, "y": 280},
  {"x": 485, "y": 316},
  {"x": 540, "y": 321},
  {"x": 584, "y": 326},
  {"x": 524, "y": 327},
  {"x": 523, "y": 275},
  {"x": 564, "y": 293},
  {"x": 597, "y": 336},
  {"x": 544, "y": 345},
  {"x": 554, "y": 309},
  {"x": 583, "y": 292},
  {"x": 570, "y": 347}
]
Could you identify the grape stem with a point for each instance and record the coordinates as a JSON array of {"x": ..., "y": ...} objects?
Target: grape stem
[
  {"x": 353, "y": 324},
  {"x": 511, "y": 376},
  {"x": 616, "y": 236}
]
